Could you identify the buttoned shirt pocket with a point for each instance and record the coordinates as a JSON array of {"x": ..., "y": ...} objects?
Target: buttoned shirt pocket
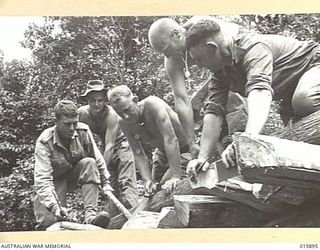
[
  {"x": 76, "y": 151},
  {"x": 59, "y": 163}
]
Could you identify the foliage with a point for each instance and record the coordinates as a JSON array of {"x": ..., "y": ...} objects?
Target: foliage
[
  {"x": 16, "y": 190},
  {"x": 69, "y": 51},
  {"x": 299, "y": 26}
]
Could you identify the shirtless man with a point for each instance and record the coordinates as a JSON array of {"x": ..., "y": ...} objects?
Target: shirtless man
[
  {"x": 167, "y": 37},
  {"x": 153, "y": 121},
  {"x": 104, "y": 123}
]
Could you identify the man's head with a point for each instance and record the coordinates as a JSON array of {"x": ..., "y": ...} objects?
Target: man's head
[
  {"x": 208, "y": 45},
  {"x": 167, "y": 37},
  {"x": 66, "y": 118},
  {"x": 95, "y": 95},
  {"x": 124, "y": 103}
]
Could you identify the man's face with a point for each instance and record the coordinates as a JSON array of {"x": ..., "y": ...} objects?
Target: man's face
[
  {"x": 66, "y": 126},
  {"x": 127, "y": 109},
  {"x": 96, "y": 101},
  {"x": 206, "y": 56},
  {"x": 173, "y": 47}
]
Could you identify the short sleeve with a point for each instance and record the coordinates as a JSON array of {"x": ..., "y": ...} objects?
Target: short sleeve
[
  {"x": 217, "y": 95},
  {"x": 258, "y": 63}
]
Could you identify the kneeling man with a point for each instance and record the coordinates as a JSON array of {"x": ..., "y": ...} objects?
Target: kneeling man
[{"x": 66, "y": 157}]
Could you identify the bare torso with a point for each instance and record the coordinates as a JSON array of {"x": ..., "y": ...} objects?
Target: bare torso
[{"x": 148, "y": 130}]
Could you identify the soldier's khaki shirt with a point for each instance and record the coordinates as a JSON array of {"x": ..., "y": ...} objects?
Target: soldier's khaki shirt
[{"x": 52, "y": 159}]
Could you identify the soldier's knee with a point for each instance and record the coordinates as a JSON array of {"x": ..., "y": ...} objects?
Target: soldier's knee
[
  {"x": 88, "y": 168},
  {"x": 305, "y": 102}
]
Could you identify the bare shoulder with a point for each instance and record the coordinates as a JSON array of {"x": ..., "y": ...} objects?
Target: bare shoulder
[
  {"x": 125, "y": 127},
  {"x": 154, "y": 104},
  {"x": 82, "y": 126},
  {"x": 83, "y": 109},
  {"x": 112, "y": 116}
]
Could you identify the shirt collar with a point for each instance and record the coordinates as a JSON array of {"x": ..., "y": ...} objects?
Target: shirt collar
[
  {"x": 237, "y": 52},
  {"x": 57, "y": 140}
]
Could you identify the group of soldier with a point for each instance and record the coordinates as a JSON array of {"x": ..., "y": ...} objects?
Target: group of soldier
[{"x": 98, "y": 146}]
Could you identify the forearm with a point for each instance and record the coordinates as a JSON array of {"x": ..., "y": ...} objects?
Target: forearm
[
  {"x": 173, "y": 155},
  {"x": 44, "y": 188},
  {"x": 101, "y": 165},
  {"x": 259, "y": 102},
  {"x": 142, "y": 165},
  {"x": 108, "y": 153},
  {"x": 185, "y": 114},
  {"x": 43, "y": 178},
  {"x": 212, "y": 125}
]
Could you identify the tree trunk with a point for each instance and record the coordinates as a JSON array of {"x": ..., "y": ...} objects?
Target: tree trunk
[
  {"x": 306, "y": 129},
  {"x": 270, "y": 160}
]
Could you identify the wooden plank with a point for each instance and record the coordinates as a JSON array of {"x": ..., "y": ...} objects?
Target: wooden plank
[
  {"x": 271, "y": 160},
  {"x": 209, "y": 211},
  {"x": 289, "y": 195},
  {"x": 143, "y": 220},
  {"x": 66, "y": 225},
  {"x": 155, "y": 204},
  {"x": 183, "y": 204},
  {"x": 169, "y": 219},
  {"x": 164, "y": 199},
  {"x": 141, "y": 206},
  {"x": 247, "y": 198},
  {"x": 258, "y": 175}
]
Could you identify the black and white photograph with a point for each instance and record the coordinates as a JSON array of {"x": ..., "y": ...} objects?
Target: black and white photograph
[{"x": 159, "y": 122}]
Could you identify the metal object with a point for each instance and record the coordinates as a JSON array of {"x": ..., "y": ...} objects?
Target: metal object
[
  {"x": 278, "y": 189},
  {"x": 62, "y": 212},
  {"x": 193, "y": 177}
]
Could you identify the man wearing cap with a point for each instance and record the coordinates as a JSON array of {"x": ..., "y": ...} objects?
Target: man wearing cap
[
  {"x": 104, "y": 124},
  {"x": 152, "y": 121},
  {"x": 167, "y": 37},
  {"x": 66, "y": 157}
]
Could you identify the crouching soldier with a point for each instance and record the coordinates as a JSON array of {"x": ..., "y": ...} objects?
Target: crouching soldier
[{"x": 66, "y": 157}]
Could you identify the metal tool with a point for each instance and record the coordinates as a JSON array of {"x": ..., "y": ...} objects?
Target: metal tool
[
  {"x": 193, "y": 177},
  {"x": 215, "y": 173},
  {"x": 62, "y": 212}
]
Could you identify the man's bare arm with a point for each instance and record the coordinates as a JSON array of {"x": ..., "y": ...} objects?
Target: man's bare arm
[
  {"x": 140, "y": 158},
  {"x": 112, "y": 121},
  {"x": 212, "y": 125},
  {"x": 171, "y": 143},
  {"x": 183, "y": 105},
  {"x": 259, "y": 102}
]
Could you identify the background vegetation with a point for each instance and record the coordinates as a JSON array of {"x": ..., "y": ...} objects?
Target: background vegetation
[{"x": 67, "y": 52}]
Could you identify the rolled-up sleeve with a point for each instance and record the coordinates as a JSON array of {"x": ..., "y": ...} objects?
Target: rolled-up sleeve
[
  {"x": 217, "y": 96},
  {"x": 258, "y": 63},
  {"x": 43, "y": 178},
  {"x": 101, "y": 164}
]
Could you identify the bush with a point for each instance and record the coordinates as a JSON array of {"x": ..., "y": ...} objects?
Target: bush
[{"x": 16, "y": 192}]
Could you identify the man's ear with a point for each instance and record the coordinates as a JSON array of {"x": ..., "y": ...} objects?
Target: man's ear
[
  {"x": 213, "y": 46},
  {"x": 135, "y": 99},
  {"x": 175, "y": 33}
]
